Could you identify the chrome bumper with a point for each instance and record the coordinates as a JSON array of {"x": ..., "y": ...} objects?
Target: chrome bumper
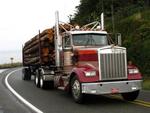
[{"x": 111, "y": 87}]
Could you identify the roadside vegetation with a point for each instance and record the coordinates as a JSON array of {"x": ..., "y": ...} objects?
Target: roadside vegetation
[
  {"x": 4, "y": 66},
  {"x": 131, "y": 18},
  {"x": 146, "y": 83}
]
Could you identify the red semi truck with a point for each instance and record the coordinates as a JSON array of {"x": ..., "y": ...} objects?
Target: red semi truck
[{"x": 80, "y": 60}]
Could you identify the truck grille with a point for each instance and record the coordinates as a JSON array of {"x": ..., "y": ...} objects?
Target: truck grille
[{"x": 113, "y": 66}]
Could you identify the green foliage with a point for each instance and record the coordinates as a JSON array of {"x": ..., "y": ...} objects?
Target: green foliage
[
  {"x": 146, "y": 84},
  {"x": 4, "y": 66},
  {"x": 90, "y": 10},
  {"x": 135, "y": 32},
  {"x": 132, "y": 20}
]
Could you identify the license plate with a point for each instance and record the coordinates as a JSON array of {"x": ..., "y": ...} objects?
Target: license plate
[{"x": 114, "y": 90}]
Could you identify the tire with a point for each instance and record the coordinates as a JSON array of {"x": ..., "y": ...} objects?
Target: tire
[
  {"x": 26, "y": 74},
  {"x": 50, "y": 84},
  {"x": 131, "y": 96},
  {"x": 37, "y": 78},
  {"x": 76, "y": 90},
  {"x": 43, "y": 84},
  {"x": 46, "y": 84}
]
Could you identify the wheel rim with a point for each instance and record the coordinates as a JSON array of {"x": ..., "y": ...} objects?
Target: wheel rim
[
  {"x": 76, "y": 89},
  {"x": 41, "y": 82},
  {"x": 36, "y": 80}
]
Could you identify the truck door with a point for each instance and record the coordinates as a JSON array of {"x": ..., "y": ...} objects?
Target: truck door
[{"x": 67, "y": 51}]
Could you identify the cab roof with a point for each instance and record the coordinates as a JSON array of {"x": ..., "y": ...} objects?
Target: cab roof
[{"x": 87, "y": 32}]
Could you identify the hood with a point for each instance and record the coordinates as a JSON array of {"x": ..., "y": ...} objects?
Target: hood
[{"x": 87, "y": 54}]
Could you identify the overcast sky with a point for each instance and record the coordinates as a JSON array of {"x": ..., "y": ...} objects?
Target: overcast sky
[{"x": 20, "y": 20}]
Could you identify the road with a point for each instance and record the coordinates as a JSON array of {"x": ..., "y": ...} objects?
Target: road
[
  {"x": 57, "y": 101},
  {"x": 8, "y": 102}
]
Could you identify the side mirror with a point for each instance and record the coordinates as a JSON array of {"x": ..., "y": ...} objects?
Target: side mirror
[{"x": 118, "y": 40}]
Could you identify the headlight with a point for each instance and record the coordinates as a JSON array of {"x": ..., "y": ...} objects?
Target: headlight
[
  {"x": 133, "y": 71},
  {"x": 90, "y": 73}
]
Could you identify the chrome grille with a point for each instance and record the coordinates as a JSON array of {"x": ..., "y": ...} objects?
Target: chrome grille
[{"x": 113, "y": 65}]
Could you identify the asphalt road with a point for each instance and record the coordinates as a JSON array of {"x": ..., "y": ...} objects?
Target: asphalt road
[
  {"x": 56, "y": 101},
  {"x": 8, "y": 102}
]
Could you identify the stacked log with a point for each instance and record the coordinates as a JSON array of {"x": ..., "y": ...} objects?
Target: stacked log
[
  {"x": 37, "y": 50},
  {"x": 40, "y": 49}
]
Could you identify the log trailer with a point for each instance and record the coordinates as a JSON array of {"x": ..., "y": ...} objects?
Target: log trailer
[{"x": 80, "y": 60}]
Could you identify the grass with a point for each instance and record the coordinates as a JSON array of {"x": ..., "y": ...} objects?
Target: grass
[
  {"x": 4, "y": 66},
  {"x": 146, "y": 83}
]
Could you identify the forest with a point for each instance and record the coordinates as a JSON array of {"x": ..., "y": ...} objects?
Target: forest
[{"x": 131, "y": 18}]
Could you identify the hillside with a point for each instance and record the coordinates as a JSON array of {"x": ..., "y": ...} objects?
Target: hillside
[
  {"x": 131, "y": 19},
  {"x": 135, "y": 31}
]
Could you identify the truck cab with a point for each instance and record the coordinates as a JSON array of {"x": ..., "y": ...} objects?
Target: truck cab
[{"x": 95, "y": 65}]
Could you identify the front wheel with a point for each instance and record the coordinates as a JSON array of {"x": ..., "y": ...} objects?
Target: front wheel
[
  {"x": 76, "y": 90},
  {"x": 131, "y": 96}
]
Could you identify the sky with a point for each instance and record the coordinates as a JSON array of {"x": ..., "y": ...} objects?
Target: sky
[{"x": 20, "y": 20}]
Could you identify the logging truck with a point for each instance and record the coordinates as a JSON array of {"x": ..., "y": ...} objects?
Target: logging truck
[{"x": 80, "y": 60}]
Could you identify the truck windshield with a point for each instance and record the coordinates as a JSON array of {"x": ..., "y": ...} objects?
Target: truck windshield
[{"x": 90, "y": 39}]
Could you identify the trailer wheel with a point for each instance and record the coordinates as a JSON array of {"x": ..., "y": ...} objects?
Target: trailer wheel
[
  {"x": 37, "y": 78},
  {"x": 131, "y": 96},
  {"x": 26, "y": 74},
  {"x": 76, "y": 90}
]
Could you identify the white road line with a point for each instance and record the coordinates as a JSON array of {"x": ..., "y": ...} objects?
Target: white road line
[{"x": 19, "y": 96}]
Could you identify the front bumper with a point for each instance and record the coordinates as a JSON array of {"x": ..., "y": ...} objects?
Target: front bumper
[{"x": 111, "y": 87}]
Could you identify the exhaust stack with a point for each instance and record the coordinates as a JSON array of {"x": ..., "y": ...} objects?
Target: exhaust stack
[
  {"x": 57, "y": 40},
  {"x": 102, "y": 21}
]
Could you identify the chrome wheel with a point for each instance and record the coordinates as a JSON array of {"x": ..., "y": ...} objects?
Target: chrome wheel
[
  {"x": 36, "y": 80},
  {"x": 76, "y": 89},
  {"x": 41, "y": 82}
]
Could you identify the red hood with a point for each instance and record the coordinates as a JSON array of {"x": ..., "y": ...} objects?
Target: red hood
[{"x": 87, "y": 55}]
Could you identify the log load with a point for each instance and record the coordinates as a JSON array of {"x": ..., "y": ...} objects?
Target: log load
[{"x": 39, "y": 49}]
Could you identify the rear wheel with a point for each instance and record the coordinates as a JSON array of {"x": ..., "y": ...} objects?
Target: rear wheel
[
  {"x": 131, "y": 96},
  {"x": 45, "y": 84},
  {"x": 26, "y": 74},
  {"x": 37, "y": 78},
  {"x": 76, "y": 90}
]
